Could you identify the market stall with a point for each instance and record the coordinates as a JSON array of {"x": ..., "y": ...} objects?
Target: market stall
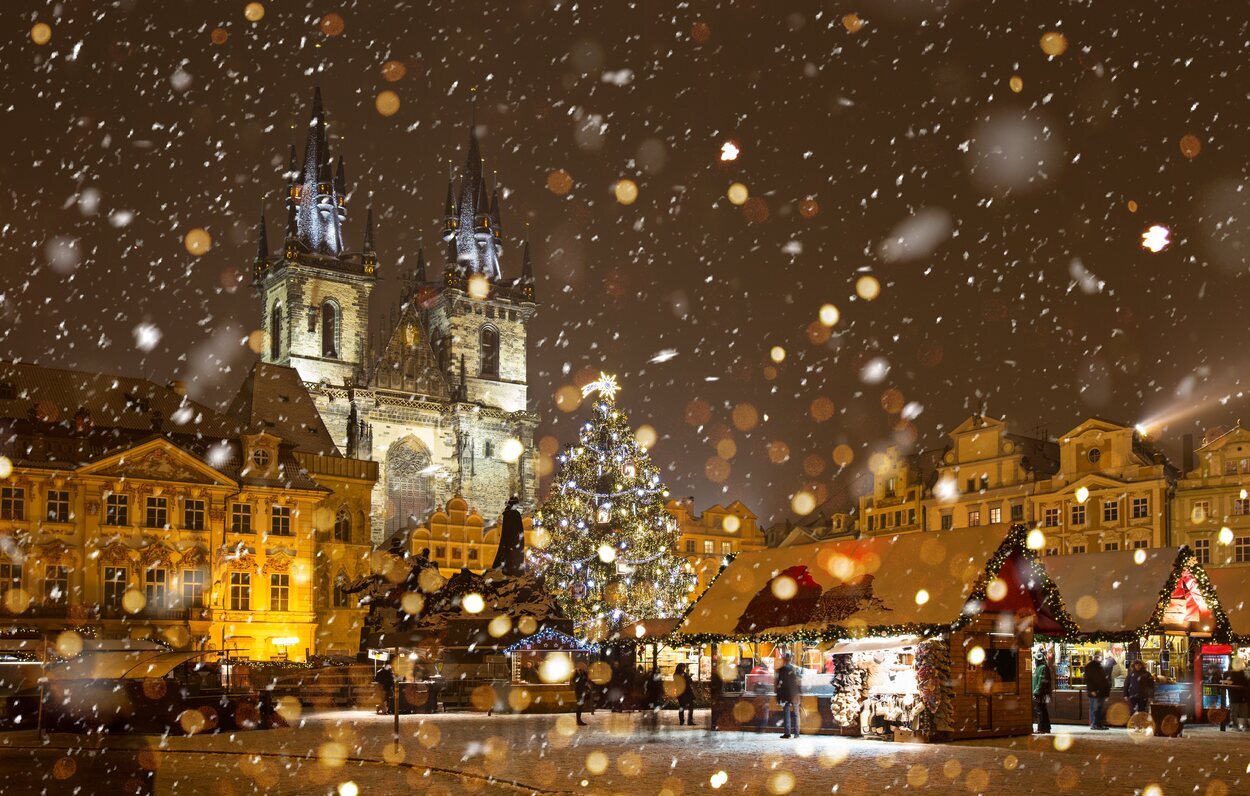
[
  {"x": 1154, "y": 605},
  {"x": 894, "y": 636}
]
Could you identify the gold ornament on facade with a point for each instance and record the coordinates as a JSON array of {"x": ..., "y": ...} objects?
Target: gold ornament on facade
[
  {"x": 115, "y": 553},
  {"x": 278, "y": 563}
]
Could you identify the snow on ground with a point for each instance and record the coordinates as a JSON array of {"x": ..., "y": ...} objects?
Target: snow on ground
[{"x": 454, "y": 753}]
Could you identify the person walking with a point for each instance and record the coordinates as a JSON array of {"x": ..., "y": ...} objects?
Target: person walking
[
  {"x": 1139, "y": 687},
  {"x": 654, "y": 696},
  {"x": 788, "y": 691},
  {"x": 1098, "y": 688},
  {"x": 581, "y": 692},
  {"x": 386, "y": 679},
  {"x": 1043, "y": 684},
  {"x": 1238, "y": 698},
  {"x": 685, "y": 695}
]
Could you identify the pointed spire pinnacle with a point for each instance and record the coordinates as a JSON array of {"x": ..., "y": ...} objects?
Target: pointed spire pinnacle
[
  {"x": 527, "y": 267},
  {"x": 262, "y": 240},
  {"x": 418, "y": 273},
  {"x": 368, "y": 247},
  {"x": 292, "y": 166},
  {"x": 340, "y": 179},
  {"x": 494, "y": 211}
]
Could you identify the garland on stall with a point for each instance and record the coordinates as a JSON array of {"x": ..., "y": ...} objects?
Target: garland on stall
[{"x": 937, "y": 695}]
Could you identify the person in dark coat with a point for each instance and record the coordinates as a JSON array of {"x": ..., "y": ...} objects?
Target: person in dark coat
[
  {"x": 1043, "y": 685},
  {"x": 511, "y": 554},
  {"x": 386, "y": 679},
  {"x": 1098, "y": 687},
  {"x": 653, "y": 696},
  {"x": 1238, "y": 698},
  {"x": 1139, "y": 687},
  {"x": 581, "y": 692},
  {"x": 685, "y": 696},
  {"x": 788, "y": 690}
]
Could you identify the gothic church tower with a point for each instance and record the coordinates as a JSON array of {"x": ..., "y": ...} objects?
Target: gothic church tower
[{"x": 441, "y": 401}]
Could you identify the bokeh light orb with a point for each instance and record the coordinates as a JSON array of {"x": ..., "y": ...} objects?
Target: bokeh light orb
[
  {"x": 254, "y": 12},
  {"x": 1054, "y": 43},
  {"x": 387, "y": 103},
  {"x": 41, "y": 33},
  {"x": 198, "y": 241}
]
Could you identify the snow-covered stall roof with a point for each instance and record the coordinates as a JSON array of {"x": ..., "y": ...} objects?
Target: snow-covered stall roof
[
  {"x": 1121, "y": 591},
  {"x": 1232, "y": 586},
  {"x": 896, "y": 584}
]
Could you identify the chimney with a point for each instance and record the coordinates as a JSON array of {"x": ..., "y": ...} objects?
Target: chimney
[
  {"x": 179, "y": 386},
  {"x": 1187, "y": 453}
]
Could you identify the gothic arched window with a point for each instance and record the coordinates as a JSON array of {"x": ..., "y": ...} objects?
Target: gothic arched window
[
  {"x": 490, "y": 351},
  {"x": 343, "y": 526},
  {"x": 330, "y": 330},
  {"x": 275, "y": 331},
  {"x": 409, "y": 483}
]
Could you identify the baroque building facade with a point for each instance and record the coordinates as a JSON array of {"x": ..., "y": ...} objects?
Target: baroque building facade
[
  {"x": 440, "y": 399},
  {"x": 129, "y": 512},
  {"x": 706, "y": 539},
  {"x": 1212, "y": 506}
]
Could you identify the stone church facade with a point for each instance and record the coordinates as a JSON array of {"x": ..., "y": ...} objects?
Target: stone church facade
[{"x": 440, "y": 398}]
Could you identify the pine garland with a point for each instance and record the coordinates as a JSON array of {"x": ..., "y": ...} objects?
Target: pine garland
[{"x": 933, "y": 677}]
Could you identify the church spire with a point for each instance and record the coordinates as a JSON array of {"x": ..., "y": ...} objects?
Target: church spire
[
  {"x": 340, "y": 179},
  {"x": 368, "y": 247},
  {"x": 527, "y": 272},
  {"x": 320, "y": 215},
  {"x": 262, "y": 240},
  {"x": 419, "y": 271}
]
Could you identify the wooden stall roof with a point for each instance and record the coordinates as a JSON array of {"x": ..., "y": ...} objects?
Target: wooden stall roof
[
  {"x": 1232, "y": 584},
  {"x": 1114, "y": 592},
  {"x": 847, "y": 588}
]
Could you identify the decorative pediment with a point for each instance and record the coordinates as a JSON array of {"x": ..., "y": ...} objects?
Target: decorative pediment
[
  {"x": 240, "y": 558},
  {"x": 1095, "y": 424},
  {"x": 157, "y": 460},
  {"x": 115, "y": 554},
  {"x": 194, "y": 557},
  {"x": 1093, "y": 481},
  {"x": 278, "y": 562},
  {"x": 978, "y": 423},
  {"x": 156, "y": 555},
  {"x": 58, "y": 554}
]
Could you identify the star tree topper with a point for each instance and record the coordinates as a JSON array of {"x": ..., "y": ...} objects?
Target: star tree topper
[{"x": 605, "y": 386}]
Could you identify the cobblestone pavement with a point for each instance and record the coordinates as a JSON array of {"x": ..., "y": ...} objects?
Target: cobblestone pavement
[{"x": 618, "y": 753}]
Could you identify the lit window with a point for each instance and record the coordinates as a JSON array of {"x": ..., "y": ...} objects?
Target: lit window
[
  {"x": 10, "y": 578},
  {"x": 241, "y": 517},
  {"x": 193, "y": 515},
  {"x": 157, "y": 514},
  {"x": 343, "y": 526},
  {"x": 155, "y": 587},
  {"x": 1202, "y": 550},
  {"x": 726, "y": 547},
  {"x": 708, "y": 546},
  {"x": 115, "y": 579},
  {"x": 280, "y": 521},
  {"x": 1111, "y": 511},
  {"x": 12, "y": 503},
  {"x": 996, "y": 515},
  {"x": 193, "y": 588},
  {"x": 974, "y": 518},
  {"x": 58, "y": 505},
  {"x": 279, "y": 592},
  {"x": 240, "y": 591},
  {"x": 490, "y": 351},
  {"x": 1241, "y": 549},
  {"x": 116, "y": 510},
  {"x": 56, "y": 585}
]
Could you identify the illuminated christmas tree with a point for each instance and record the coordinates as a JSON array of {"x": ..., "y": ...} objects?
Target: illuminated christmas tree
[{"x": 605, "y": 543}]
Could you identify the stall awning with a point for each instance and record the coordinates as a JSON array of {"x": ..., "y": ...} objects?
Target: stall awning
[
  {"x": 873, "y": 644},
  {"x": 1232, "y": 585},
  {"x": 647, "y": 630},
  {"x": 882, "y": 585},
  {"x": 1119, "y": 592}
]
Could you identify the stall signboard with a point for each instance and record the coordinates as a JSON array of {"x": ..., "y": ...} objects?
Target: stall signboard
[{"x": 1187, "y": 610}]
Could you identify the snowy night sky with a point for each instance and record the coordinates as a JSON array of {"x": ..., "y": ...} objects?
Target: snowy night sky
[{"x": 998, "y": 223}]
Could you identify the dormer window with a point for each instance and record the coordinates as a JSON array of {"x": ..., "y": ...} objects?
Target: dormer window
[{"x": 260, "y": 458}]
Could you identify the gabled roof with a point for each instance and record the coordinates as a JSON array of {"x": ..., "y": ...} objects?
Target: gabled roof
[
  {"x": 407, "y": 362},
  {"x": 977, "y": 423},
  {"x": 1099, "y": 424},
  {"x": 739, "y": 508},
  {"x": 845, "y": 588},
  {"x": 158, "y": 459},
  {"x": 120, "y": 402},
  {"x": 272, "y": 399},
  {"x": 1234, "y": 434}
]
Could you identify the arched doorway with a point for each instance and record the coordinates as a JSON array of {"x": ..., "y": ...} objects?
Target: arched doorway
[{"x": 409, "y": 483}]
